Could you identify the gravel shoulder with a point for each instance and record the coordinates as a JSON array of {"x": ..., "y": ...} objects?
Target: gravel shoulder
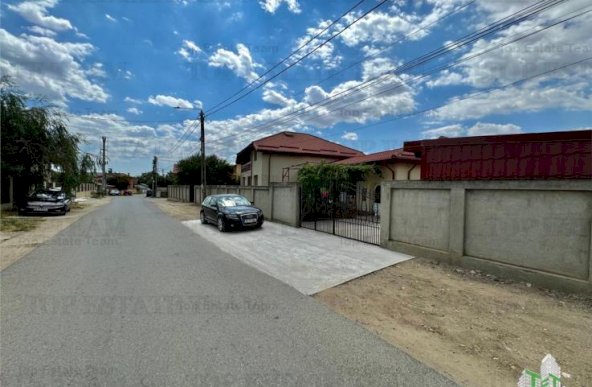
[
  {"x": 15, "y": 245},
  {"x": 178, "y": 210},
  {"x": 469, "y": 326}
]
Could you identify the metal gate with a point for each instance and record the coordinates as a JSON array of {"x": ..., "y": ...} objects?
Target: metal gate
[{"x": 343, "y": 210}]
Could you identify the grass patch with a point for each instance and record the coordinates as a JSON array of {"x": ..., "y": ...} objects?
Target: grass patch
[{"x": 18, "y": 224}]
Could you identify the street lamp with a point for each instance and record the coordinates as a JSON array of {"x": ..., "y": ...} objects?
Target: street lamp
[{"x": 202, "y": 140}]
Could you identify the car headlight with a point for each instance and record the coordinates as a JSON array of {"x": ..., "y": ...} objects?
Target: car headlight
[{"x": 232, "y": 216}]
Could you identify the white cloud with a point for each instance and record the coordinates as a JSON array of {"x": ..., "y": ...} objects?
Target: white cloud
[
  {"x": 326, "y": 53},
  {"x": 125, "y": 140},
  {"x": 97, "y": 70},
  {"x": 134, "y": 110},
  {"x": 479, "y": 129},
  {"x": 189, "y": 50},
  {"x": 166, "y": 100},
  {"x": 277, "y": 98},
  {"x": 42, "y": 31},
  {"x": 232, "y": 134},
  {"x": 542, "y": 52},
  {"x": 36, "y": 12},
  {"x": 350, "y": 136},
  {"x": 46, "y": 67},
  {"x": 110, "y": 18},
  {"x": 126, "y": 74},
  {"x": 482, "y": 129},
  {"x": 530, "y": 97},
  {"x": 241, "y": 62},
  {"x": 133, "y": 100},
  {"x": 272, "y": 6},
  {"x": 444, "y": 131}
]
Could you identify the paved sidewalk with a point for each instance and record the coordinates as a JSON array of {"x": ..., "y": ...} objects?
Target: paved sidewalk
[{"x": 307, "y": 260}]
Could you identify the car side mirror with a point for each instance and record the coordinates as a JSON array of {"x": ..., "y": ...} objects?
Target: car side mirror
[{"x": 252, "y": 203}]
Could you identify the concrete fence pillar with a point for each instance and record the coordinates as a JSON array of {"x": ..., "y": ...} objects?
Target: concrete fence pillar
[
  {"x": 385, "y": 210},
  {"x": 457, "y": 224}
]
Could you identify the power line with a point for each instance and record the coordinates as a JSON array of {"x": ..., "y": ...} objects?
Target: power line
[
  {"x": 472, "y": 95},
  {"x": 299, "y": 60},
  {"x": 495, "y": 27},
  {"x": 389, "y": 46},
  {"x": 182, "y": 140},
  {"x": 408, "y": 35},
  {"x": 291, "y": 54},
  {"x": 464, "y": 59},
  {"x": 492, "y": 28}
]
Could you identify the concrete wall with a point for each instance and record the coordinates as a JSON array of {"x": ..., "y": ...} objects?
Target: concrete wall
[
  {"x": 179, "y": 193},
  {"x": 279, "y": 202},
  {"x": 536, "y": 231}
]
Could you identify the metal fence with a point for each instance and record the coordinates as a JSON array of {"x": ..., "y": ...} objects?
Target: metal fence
[{"x": 335, "y": 209}]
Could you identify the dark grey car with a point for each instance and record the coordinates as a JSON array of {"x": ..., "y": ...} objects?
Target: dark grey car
[
  {"x": 230, "y": 211},
  {"x": 45, "y": 202}
]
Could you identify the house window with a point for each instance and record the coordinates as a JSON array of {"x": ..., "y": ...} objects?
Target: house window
[
  {"x": 244, "y": 180},
  {"x": 256, "y": 180},
  {"x": 249, "y": 181}
]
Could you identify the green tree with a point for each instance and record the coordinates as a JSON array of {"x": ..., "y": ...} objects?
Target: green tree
[
  {"x": 88, "y": 168},
  {"x": 218, "y": 171},
  {"x": 121, "y": 182},
  {"x": 35, "y": 142}
]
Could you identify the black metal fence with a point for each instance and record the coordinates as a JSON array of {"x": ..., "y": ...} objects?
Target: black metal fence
[{"x": 340, "y": 210}]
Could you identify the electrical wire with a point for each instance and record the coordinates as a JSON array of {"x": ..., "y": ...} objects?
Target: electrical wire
[{"x": 297, "y": 61}]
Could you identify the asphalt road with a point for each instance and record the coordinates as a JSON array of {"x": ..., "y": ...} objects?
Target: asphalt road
[{"x": 128, "y": 296}]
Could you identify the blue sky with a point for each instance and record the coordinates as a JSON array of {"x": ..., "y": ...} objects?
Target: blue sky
[{"x": 118, "y": 68}]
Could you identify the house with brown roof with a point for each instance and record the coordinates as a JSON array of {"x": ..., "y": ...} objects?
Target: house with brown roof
[
  {"x": 394, "y": 164},
  {"x": 277, "y": 158}
]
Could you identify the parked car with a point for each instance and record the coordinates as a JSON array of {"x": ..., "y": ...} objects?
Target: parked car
[
  {"x": 46, "y": 202},
  {"x": 127, "y": 193},
  {"x": 148, "y": 193},
  {"x": 114, "y": 192},
  {"x": 230, "y": 211}
]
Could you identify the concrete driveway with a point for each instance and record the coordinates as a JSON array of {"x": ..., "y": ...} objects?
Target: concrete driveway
[{"x": 307, "y": 260}]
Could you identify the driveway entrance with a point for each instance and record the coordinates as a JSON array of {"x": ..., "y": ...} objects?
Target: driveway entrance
[
  {"x": 342, "y": 210},
  {"x": 306, "y": 260}
]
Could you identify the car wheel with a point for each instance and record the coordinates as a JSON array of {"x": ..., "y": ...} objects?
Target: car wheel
[
  {"x": 202, "y": 217},
  {"x": 221, "y": 225}
]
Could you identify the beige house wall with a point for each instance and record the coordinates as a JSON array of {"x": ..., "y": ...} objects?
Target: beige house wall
[
  {"x": 390, "y": 172},
  {"x": 268, "y": 168}
]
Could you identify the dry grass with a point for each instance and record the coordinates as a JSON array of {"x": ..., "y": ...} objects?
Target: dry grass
[{"x": 10, "y": 222}]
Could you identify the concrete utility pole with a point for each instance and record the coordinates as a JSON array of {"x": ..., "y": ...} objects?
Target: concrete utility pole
[
  {"x": 202, "y": 139},
  {"x": 103, "y": 164},
  {"x": 154, "y": 175}
]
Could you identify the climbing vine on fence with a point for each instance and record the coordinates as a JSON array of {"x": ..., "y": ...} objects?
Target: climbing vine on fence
[{"x": 315, "y": 178}]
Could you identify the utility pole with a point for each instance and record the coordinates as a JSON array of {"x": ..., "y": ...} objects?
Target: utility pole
[
  {"x": 202, "y": 139},
  {"x": 103, "y": 164},
  {"x": 154, "y": 175}
]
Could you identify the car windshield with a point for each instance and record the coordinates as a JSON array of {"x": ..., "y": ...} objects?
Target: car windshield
[
  {"x": 233, "y": 201},
  {"x": 44, "y": 196}
]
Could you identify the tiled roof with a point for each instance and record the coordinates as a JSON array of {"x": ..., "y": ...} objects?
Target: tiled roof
[
  {"x": 297, "y": 143},
  {"x": 389, "y": 155}
]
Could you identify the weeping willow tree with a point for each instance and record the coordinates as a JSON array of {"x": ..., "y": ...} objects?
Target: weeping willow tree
[{"x": 35, "y": 142}]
